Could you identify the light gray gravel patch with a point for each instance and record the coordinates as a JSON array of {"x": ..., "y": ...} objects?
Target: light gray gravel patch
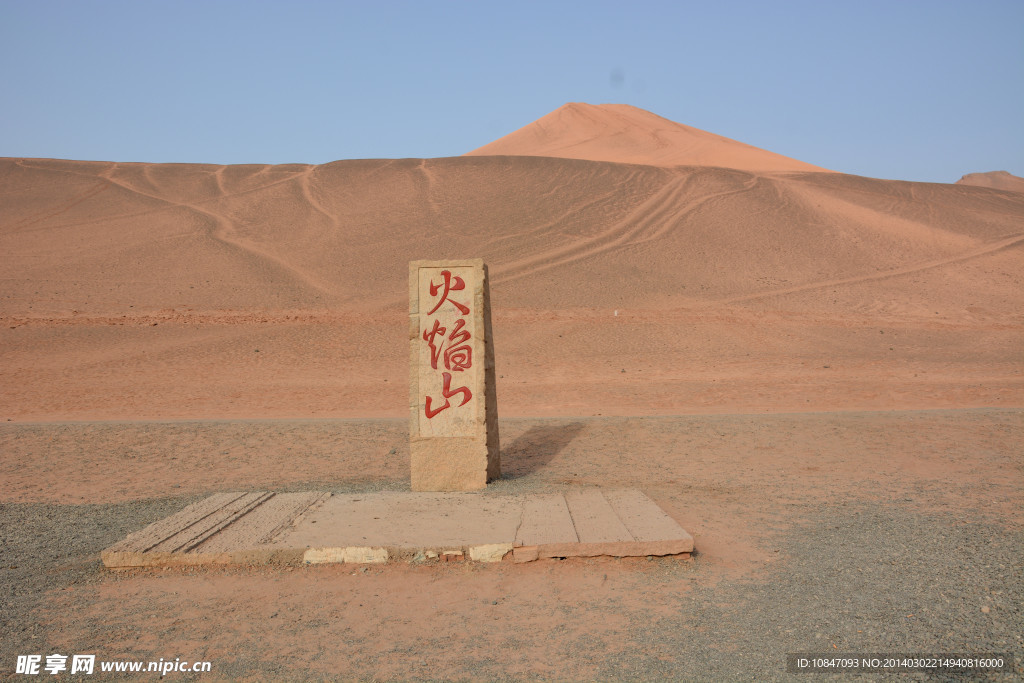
[
  {"x": 44, "y": 548},
  {"x": 899, "y": 564},
  {"x": 865, "y": 578},
  {"x": 852, "y": 579}
]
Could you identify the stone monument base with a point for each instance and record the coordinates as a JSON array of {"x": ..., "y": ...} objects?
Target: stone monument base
[
  {"x": 315, "y": 528},
  {"x": 452, "y": 464}
]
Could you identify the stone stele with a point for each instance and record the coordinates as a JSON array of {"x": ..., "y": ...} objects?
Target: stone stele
[{"x": 453, "y": 426}]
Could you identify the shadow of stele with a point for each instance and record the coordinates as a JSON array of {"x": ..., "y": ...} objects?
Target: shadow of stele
[{"x": 536, "y": 447}]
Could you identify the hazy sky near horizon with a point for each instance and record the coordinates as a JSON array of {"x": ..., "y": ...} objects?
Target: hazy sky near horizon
[{"x": 911, "y": 90}]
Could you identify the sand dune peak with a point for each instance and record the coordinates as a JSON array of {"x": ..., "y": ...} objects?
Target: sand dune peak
[
  {"x": 997, "y": 180},
  {"x": 626, "y": 134}
]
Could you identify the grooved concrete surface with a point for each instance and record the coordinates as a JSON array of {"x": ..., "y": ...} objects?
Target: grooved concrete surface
[{"x": 312, "y": 527}]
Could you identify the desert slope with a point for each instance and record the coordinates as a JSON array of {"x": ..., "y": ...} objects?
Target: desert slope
[
  {"x": 123, "y": 239},
  {"x": 997, "y": 180},
  {"x": 625, "y": 134},
  {"x": 137, "y": 290}
]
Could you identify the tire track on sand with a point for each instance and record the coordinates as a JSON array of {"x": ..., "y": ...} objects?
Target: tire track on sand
[
  {"x": 225, "y": 226},
  {"x": 988, "y": 248},
  {"x": 652, "y": 220},
  {"x": 431, "y": 189},
  {"x": 32, "y": 220},
  {"x": 307, "y": 192}
]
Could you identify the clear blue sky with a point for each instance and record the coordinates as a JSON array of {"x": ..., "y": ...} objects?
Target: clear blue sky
[{"x": 914, "y": 90}]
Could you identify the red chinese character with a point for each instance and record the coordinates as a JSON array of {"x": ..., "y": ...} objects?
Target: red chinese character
[
  {"x": 459, "y": 355},
  {"x": 458, "y": 285},
  {"x": 428, "y": 336},
  {"x": 447, "y": 392}
]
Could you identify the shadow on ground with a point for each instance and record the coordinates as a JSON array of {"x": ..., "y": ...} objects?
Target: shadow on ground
[{"x": 536, "y": 448}]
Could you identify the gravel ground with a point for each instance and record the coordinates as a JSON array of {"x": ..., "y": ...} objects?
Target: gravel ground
[
  {"x": 857, "y": 579},
  {"x": 46, "y": 548},
  {"x": 848, "y": 572},
  {"x": 867, "y": 579}
]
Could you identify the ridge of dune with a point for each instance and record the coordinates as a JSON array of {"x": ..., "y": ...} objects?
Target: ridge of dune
[
  {"x": 104, "y": 238},
  {"x": 997, "y": 180},
  {"x": 190, "y": 290},
  {"x": 623, "y": 133}
]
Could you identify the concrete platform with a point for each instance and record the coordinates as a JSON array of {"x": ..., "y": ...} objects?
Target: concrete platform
[{"x": 313, "y": 528}]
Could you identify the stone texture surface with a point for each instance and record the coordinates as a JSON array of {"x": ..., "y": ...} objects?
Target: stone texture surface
[
  {"x": 489, "y": 552},
  {"x": 594, "y": 518},
  {"x": 546, "y": 522},
  {"x": 261, "y": 525},
  {"x": 214, "y": 530},
  {"x": 317, "y": 528},
  {"x": 453, "y": 426},
  {"x": 642, "y": 516},
  {"x": 618, "y": 523},
  {"x": 350, "y": 555},
  {"x": 405, "y": 522}
]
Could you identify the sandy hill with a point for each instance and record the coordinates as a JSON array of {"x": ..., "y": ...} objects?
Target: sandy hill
[
  {"x": 997, "y": 180},
  {"x": 113, "y": 239},
  {"x": 176, "y": 290},
  {"x": 625, "y": 134}
]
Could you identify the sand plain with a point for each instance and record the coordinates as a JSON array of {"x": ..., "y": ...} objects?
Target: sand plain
[{"x": 819, "y": 375}]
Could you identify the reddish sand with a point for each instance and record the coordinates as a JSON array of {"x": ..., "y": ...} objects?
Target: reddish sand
[
  {"x": 623, "y": 134},
  {"x": 999, "y": 180},
  {"x": 639, "y": 268},
  {"x": 179, "y": 290},
  {"x": 738, "y": 483}
]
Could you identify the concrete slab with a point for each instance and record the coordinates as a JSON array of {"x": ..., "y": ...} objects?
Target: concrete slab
[
  {"x": 546, "y": 523},
  {"x": 314, "y": 528},
  {"x": 264, "y": 523},
  {"x": 409, "y": 521},
  {"x": 224, "y": 528},
  {"x": 622, "y": 523},
  {"x": 594, "y": 518}
]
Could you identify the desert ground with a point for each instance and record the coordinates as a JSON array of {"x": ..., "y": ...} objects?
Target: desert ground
[{"x": 820, "y": 376}]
